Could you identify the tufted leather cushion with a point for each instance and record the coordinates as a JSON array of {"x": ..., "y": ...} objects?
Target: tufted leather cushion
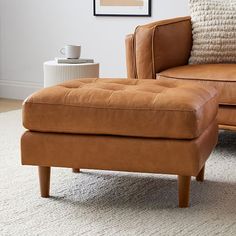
[
  {"x": 141, "y": 108},
  {"x": 220, "y": 76}
]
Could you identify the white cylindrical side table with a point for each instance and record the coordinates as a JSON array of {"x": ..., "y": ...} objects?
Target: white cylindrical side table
[{"x": 55, "y": 73}]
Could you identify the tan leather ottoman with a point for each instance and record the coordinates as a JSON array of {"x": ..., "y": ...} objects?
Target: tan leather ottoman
[{"x": 155, "y": 126}]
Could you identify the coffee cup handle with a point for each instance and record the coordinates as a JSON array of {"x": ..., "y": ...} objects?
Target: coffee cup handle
[{"x": 62, "y": 51}]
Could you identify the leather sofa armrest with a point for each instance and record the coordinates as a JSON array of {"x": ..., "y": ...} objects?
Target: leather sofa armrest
[
  {"x": 130, "y": 57},
  {"x": 161, "y": 45}
]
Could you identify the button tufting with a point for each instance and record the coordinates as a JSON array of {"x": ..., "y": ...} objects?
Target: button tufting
[{"x": 123, "y": 107}]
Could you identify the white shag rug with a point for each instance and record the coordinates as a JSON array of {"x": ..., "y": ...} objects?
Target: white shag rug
[{"x": 113, "y": 203}]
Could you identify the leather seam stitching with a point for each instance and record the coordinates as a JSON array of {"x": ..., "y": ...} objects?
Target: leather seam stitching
[
  {"x": 113, "y": 108},
  {"x": 164, "y": 24},
  {"x": 172, "y": 77},
  {"x": 171, "y": 23}
]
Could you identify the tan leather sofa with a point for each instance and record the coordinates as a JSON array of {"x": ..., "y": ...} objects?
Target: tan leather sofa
[{"x": 162, "y": 50}]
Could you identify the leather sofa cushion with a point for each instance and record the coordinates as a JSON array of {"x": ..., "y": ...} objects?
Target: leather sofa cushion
[
  {"x": 126, "y": 107},
  {"x": 227, "y": 116},
  {"x": 220, "y": 76}
]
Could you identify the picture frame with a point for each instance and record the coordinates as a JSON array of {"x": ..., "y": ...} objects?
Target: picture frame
[{"x": 122, "y": 8}]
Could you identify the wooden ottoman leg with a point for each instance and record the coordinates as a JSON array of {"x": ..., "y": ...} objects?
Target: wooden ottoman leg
[
  {"x": 76, "y": 170},
  {"x": 184, "y": 190},
  {"x": 44, "y": 180},
  {"x": 200, "y": 176}
]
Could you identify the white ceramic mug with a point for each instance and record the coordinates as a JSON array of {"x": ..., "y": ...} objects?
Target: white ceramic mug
[{"x": 71, "y": 51}]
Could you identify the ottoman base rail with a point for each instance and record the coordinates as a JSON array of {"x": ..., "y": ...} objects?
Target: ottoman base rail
[{"x": 184, "y": 158}]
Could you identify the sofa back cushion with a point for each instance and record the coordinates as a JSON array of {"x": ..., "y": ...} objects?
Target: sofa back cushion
[
  {"x": 161, "y": 45},
  {"x": 214, "y": 31}
]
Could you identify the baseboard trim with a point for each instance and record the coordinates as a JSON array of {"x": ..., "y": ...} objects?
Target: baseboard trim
[{"x": 18, "y": 89}]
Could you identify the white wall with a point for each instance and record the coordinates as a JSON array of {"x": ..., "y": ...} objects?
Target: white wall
[{"x": 33, "y": 31}]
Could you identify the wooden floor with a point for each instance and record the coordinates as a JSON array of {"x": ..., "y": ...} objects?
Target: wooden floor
[{"x": 9, "y": 104}]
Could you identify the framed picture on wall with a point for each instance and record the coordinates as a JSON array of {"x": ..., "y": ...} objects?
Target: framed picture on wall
[{"x": 122, "y": 7}]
